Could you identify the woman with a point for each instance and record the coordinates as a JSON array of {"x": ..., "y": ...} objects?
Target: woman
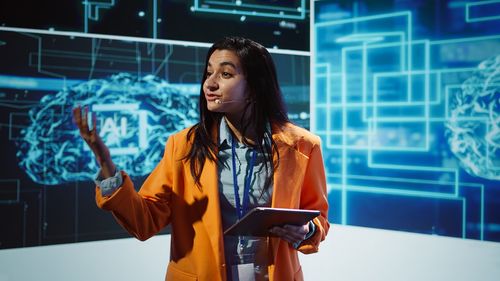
[{"x": 243, "y": 153}]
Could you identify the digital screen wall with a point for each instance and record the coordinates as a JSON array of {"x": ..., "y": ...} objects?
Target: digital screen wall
[
  {"x": 142, "y": 91},
  {"x": 406, "y": 98},
  {"x": 273, "y": 23},
  {"x": 404, "y": 94}
]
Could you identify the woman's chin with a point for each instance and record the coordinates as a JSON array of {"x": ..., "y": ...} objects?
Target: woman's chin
[{"x": 214, "y": 107}]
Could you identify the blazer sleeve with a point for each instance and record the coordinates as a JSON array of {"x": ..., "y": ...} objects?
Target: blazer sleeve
[
  {"x": 144, "y": 213},
  {"x": 314, "y": 196}
]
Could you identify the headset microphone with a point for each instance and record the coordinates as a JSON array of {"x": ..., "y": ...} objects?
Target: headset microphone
[{"x": 220, "y": 101}]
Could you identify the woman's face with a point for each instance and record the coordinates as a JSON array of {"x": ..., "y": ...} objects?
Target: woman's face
[{"x": 225, "y": 87}]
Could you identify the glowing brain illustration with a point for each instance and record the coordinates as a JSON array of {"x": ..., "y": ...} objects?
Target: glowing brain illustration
[
  {"x": 474, "y": 121},
  {"x": 135, "y": 117}
]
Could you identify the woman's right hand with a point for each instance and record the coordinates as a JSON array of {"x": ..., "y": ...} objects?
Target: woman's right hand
[{"x": 94, "y": 141}]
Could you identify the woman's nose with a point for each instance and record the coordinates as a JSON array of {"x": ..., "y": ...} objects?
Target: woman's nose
[{"x": 211, "y": 84}]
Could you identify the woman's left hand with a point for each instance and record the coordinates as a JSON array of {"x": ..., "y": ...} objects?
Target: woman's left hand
[{"x": 293, "y": 234}]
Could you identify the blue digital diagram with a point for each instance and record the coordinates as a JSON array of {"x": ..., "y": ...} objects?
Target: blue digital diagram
[
  {"x": 127, "y": 86},
  {"x": 92, "y": 13},
  {"x": 294, "y": 9},
  {"x": 141, "y": 91},
  {"x": 151, "y": 12},
  {"x": 137, "y": 109},
  {"x": 92, "y": 10},
  {"x": 410, "y": 126}
]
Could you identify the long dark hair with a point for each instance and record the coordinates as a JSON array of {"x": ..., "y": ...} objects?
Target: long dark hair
[{"x": 266, "y": 105}]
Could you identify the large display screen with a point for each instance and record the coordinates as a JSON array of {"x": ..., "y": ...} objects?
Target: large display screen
[
  {"x": 406, "y": 97},
  {"x": 404, "y": 94},
  {"x": 142, "y": 91},
  {"x": 273, "y": 23}
]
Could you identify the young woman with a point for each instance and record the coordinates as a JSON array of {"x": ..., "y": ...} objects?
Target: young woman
[{"x": 242, "y": 153}]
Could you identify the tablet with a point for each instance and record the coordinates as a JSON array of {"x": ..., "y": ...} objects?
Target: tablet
[{"x": 258, "y": 221}]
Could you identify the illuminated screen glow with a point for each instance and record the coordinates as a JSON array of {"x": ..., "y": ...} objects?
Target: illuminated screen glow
[
  {"x": 409, "y": 120},
  {"x": 141, "y": 91}
]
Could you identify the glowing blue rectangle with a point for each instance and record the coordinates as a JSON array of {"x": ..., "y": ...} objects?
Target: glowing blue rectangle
[
  {"x": 133, "y": 109},
  {"x": 115, "y": 107},
  {"x": 35, "y": 83},
  {"x": 124, "y": 150},
  {"x": 482, "y": 11},
  {"x": 246, "y": 8},
  {"x": 143, "y": 122}
]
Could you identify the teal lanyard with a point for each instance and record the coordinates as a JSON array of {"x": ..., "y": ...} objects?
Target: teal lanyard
[{"x": 241, "y": 208}]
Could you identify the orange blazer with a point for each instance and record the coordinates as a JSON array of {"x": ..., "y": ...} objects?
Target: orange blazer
[{"x": 169, "y": 196}]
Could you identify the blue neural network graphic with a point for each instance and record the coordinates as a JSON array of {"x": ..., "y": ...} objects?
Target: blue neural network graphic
[{"x": 135, "y": 116}]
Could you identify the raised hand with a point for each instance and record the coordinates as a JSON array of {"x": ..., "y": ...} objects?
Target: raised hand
[{"x": 93, "y": 140}]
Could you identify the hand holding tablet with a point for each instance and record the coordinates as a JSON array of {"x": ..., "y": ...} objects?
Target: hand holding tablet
[{"x": 258, "y": 221}]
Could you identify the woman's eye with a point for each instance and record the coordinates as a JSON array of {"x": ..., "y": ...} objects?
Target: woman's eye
[
  {"x": 226, "y": 74},
  {"x": 207, "y": 74}
]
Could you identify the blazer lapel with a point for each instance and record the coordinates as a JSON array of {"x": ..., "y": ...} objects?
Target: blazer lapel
[
  {"x": 212, "y": 217},
  {"x": 289, "y": 174}
]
